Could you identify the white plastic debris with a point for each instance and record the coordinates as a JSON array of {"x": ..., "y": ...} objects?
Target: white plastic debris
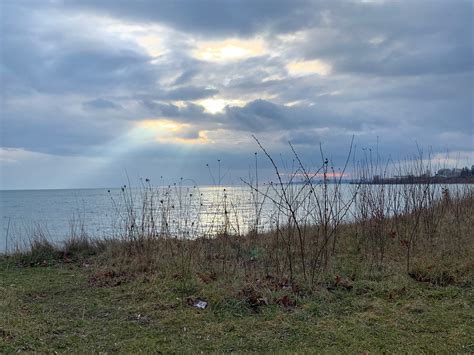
[
  {"x": 200, "y": 304},
  {"x": 197, "y": 303}
]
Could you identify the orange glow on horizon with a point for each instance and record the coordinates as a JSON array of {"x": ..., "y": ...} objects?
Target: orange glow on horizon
[{"x": 313, "y": 175}]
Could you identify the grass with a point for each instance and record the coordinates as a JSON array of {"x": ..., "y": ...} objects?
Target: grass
[
  {"x": 59, "y": 308},
  {"x": 134, "y": 295},
  {"x": 398, "y": 278}
]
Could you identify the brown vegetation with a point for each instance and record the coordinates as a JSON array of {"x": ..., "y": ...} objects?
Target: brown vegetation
[{"x": 318, "y": 236}]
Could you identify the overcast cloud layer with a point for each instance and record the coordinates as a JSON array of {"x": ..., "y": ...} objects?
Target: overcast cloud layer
[{"x": 91, "y": 88}]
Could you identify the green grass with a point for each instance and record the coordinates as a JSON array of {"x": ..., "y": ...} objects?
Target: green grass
[
  {"x": 61, "y": 308},
  {"x": 132, "y": 295}
]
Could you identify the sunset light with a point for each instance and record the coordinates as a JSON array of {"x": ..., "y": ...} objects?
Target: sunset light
[
  {"x": 163, "y": 130},
  {"x": 229, "y": 49},
  {"x": 236, "y": 176},
  {"x": 309, "y": 67},
  {"x": 214, "y": 106}
]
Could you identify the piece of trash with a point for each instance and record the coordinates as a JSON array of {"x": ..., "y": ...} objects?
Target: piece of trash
[{"x": 198, "y": 303}]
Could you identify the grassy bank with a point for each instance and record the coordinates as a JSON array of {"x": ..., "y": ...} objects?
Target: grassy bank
[
  {"x": 59, "y": 308},
  {"x": 401, "y": 283}
]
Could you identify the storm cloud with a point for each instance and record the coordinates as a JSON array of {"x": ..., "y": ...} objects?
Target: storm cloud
[{"x": 178, "y": 83}]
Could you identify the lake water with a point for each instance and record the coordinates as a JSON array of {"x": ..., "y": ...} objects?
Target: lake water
[
  {"x": 184, "y": 211},
  {"x": 105, "y": 212}
]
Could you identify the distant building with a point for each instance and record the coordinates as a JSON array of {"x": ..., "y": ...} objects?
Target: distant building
[
  {"x": 444, "y": 173},
  {"x": 449, "y": 173}
]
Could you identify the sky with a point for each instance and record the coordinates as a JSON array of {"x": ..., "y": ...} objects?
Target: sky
[{"x": 93, "y": 91}]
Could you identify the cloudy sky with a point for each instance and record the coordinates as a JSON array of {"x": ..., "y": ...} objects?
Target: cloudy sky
[{"x": 93, "y": 88}]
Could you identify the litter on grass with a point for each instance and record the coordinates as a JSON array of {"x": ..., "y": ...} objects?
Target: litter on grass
[{"x": 197, "y": 303}]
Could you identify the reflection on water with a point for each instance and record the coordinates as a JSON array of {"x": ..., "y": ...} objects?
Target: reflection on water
[
  {"x": 101, "y": 212},
  {"x": 182, "y": 211}
]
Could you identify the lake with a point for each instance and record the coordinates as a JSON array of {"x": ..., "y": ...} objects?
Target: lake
[
  {"x": 184, "y": 211},
  {"x": 104, "y": 212}
]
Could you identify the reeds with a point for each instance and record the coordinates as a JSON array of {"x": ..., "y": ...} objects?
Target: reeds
[{"x": 304, "y": 225}]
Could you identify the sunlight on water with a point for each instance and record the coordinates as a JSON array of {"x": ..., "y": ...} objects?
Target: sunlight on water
[{"x": 177, "y": 211}]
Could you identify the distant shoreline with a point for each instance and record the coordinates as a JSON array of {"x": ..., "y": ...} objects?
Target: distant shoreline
[{"x": 417, "y": 180}]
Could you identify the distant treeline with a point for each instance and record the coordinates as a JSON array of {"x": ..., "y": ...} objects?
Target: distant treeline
[{"x": 442, "y": 176}]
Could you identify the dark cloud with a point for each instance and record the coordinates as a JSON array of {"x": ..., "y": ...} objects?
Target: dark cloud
[
  {"x": 101, "y": 104},
  {"x": 257, "y": 116},
  {"x": 189, "y": 93},
  {"x": 302, "y": 137},
  {"x": 186, "y": 76},
  {"x": 386, "y": 38},
  {"x": 76, "y": 84},
  {"x": 61, "y": 57},
  {"x": 394, "y": 38},
  {"x": 261, "y": 116},
  {"x": 86, "y": 69},
  {"x": 190, "y": 112},
  {"x": 184, "y": 93},
  {"x": 54, "y": 130},
  {"x": 214, "y": 18}
]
